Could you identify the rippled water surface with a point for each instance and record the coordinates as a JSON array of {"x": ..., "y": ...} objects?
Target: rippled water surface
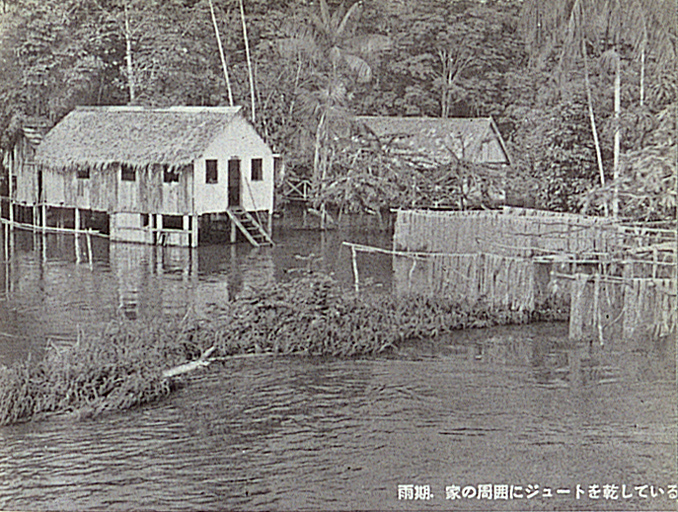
[
  {"x": 517, "y": 406},
  {"x": 50, "y": 289}
]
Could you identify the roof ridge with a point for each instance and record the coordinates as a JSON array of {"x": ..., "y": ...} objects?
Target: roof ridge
[
  {"x": 173, "y": 109},
  {"x": 428, "y": 118}
]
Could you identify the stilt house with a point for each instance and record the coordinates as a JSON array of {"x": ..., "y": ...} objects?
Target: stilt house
[{"x": 157, "y": 175}]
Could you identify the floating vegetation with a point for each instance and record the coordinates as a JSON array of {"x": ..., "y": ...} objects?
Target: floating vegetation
[
  {"x": 116, "y": 369},
  {"x": 133, "y": 363}
]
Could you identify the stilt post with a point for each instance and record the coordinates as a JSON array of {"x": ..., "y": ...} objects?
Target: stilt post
[
  {"x": 77, "y": 235},
  {"x": 195, "y": 227},
  {"x": 186, "y": 228},
  {"x": 89, "y": 247},
  {"x": 234, "y": 231}
]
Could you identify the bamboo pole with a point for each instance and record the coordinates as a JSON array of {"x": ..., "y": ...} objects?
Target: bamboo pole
[
  {"x": 617, "y": 137},
  {"x": 597, "y": 316},
  {"x": 247, "y": 54},
  {"x": 50, "y": 229},
  {"x": 356, "y": 277}
]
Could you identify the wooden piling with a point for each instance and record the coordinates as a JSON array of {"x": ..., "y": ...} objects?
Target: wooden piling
[
  {"x": 195, "y": 230},
  {"x": 89, "y": 247},
  {"x": 578, "y": 307},
  {"x": 356, "y": 277}
]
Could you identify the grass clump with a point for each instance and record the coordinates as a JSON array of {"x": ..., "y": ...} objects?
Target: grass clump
[
  {"x": 123, "y": 366},
  {"x": 314, "y": 315},
  {"x": 117, "y": 369}
]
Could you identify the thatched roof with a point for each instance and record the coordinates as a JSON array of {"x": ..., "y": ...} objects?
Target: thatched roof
[
  {"x": 441, "y": 140},
  {"x": 138, "y": 136}
]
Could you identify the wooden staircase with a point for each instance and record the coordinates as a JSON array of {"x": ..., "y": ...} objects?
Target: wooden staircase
[{"x": 248, "y": 226}]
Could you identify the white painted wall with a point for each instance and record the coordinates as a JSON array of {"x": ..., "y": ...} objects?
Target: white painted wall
[{"x": 240, "y": 140}]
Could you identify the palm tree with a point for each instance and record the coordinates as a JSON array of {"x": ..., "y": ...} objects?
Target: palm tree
[
  {"x": 647, "y": 27},
  {"x": 331, "y": 38}
]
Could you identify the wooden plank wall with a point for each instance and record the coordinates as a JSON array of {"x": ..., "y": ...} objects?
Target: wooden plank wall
[{"x": 105, "y": 191}]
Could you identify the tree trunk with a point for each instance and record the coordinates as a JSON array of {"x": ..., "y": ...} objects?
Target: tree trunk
[
  {"x": 592, "y": 117},
  {"x": 128, "y": 58},
  {"x": 221, "y": 54},
  {"x": 642, "y": 76},
  {"x": 617, "y": 136},
  {"x": 316, "y": 154},
  {"x": 247, "y": 53}
]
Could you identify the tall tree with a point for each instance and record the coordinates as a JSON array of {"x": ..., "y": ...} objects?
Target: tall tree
[
  {"x": 611, "y": 29},
  {"x": 341, "y": 54},
  {"x": 250, "y": 72}
]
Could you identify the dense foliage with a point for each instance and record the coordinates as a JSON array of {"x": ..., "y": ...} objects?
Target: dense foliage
[{"x": 546, "y": 71}]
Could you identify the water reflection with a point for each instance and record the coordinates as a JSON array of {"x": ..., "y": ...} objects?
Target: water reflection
[
  {"x": 518, "y": 405},
  {"x": 53, "y": 286}
]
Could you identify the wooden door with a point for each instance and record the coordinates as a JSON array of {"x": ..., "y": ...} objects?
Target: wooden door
[{"x": 233, "y": 182}]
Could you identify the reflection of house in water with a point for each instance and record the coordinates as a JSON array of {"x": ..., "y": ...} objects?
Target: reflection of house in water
[
  {"x": 44, "y": 280},
  {"x": 152, "y": 279}
]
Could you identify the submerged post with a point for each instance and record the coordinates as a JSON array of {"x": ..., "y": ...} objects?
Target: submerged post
[
  {"x": 597, "y": 314},
  {"x": 89, "y": 246},
  {"x": 356, "y": 277},
  {"x": 195, "y": 228},
  {"x": 6, "y": 236},
  {"x": 186, "y": 231}
]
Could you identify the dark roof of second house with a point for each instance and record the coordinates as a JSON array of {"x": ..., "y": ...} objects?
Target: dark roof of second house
[
  {"x": 442, "y": 140},
  {"x": 98, "y": 136}
]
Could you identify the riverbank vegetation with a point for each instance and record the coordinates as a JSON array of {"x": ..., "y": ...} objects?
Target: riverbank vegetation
[
  {"x": 584, "y": 93},
  {"x": 131, "y": 363}
]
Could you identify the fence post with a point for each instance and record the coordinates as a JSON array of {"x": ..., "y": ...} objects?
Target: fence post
[
  {"x": 356, "y": 277},
  {"x": 577, "y": 306}
]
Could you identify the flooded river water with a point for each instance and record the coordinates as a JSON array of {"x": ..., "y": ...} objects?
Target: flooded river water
[{"x": 511, "y": 418}]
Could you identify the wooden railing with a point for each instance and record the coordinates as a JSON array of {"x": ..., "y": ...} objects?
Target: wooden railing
[{"x": 297, "y": 189}]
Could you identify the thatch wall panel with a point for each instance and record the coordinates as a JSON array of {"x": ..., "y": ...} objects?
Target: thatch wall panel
[
  {"x": 629, "y": 310},
  {"x": 54, "y": 187},
  {"x": 128, "y": 195},
  {"x": 23, "y": 168},
  {"x": 509, "y": 232}
]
